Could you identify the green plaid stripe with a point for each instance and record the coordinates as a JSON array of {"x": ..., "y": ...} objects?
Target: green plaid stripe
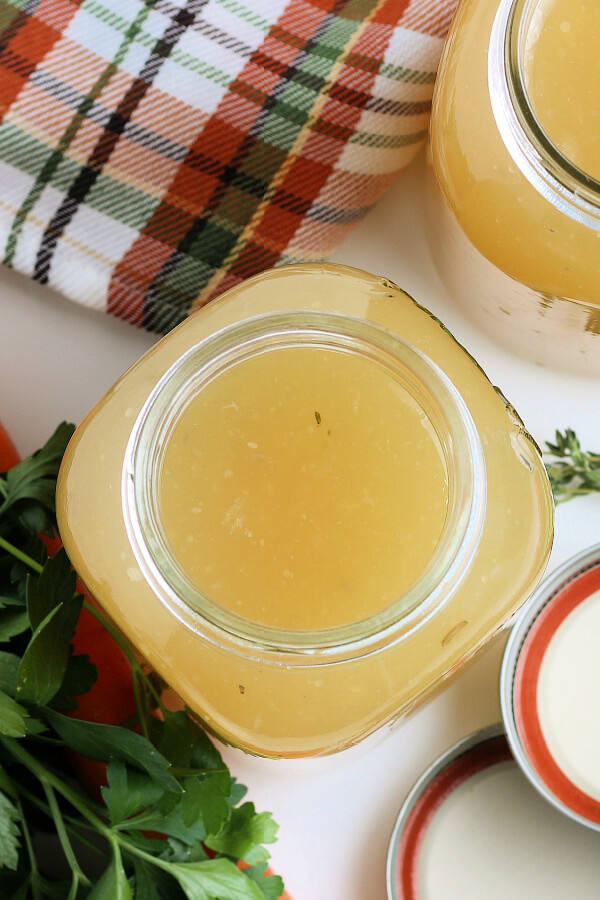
[
  {"x": 407, "y": 76},
  {"x": 391, "y": 141},
  {"x": 125, "y": 203},
  {"x": 147, "y": 40}
]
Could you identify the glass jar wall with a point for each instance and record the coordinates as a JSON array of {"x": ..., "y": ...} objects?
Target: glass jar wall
[
  {"x": 514, "y": 208},
  {"x": 306, "y": 507}
]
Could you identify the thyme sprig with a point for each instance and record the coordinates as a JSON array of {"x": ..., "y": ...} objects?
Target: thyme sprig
[{"x": 571, "y": 470}]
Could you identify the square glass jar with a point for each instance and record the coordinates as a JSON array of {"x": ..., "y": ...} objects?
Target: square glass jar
[{"x": 308, "y": 689}]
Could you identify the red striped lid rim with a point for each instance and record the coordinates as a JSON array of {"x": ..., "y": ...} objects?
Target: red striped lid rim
[
  {"x": 536, "y": 625},
  {"x": 473, "y": 754}
]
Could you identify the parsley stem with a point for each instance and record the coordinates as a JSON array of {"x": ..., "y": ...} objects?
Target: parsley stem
[
  {"x": 78, "y": 875},
  {"x": 34, "y": 879},
  {"x": 136, "y": 668},
  {"x": 116, "y": 840},
  {"x": 72, "y": 895},
  {"x": 153, "y": 691},
  {"x": 113, "y": 631},
  {"x": 45, "y": 776},
  {"x": 75, "y": 826},
  {"x": 132, "y": 850},
  {"x": 141, "y": 714},
  {"x": 18, "y": 554}
]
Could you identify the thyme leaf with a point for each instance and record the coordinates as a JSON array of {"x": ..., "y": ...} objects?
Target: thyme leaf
[{"x": 572, "y": 471}]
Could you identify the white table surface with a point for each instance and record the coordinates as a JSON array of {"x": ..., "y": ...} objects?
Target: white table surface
[{"x": 335, "y": 814}]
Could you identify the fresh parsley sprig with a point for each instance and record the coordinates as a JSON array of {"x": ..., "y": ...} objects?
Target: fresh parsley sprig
[
  {"x": 571, "y": 470},
  {"x": 172, "y": 824}
]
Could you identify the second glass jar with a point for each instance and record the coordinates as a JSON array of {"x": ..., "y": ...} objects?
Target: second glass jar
[{"x": 514, "y": 207}]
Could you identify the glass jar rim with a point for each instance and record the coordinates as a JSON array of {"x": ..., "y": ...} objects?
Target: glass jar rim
[
  {"x": 559, "y": 180},
  {"x": 438, "y": 397}
]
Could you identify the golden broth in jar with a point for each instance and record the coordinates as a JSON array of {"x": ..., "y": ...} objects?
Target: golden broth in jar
[
  {"x": 561, "y": 67},
  {"x": 306, "y": 507},
  {"x": 303, "y": 488}
]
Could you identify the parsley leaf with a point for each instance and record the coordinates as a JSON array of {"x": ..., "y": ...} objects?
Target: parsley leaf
[
  {"x": 215, "y": 879},
  {"x": 9, "y": 664},
  {"x": 108, "y": 742},
  {"x": 12, "y": 717},
  {"x": 154, "y": 884},
  {"x": 78, "y": 679},
  {"x": 244, "y": 833},
  {"x": 113, "y": 885},
  {"x": 30, "y": 486},
  {"x": 54, "y": 585},
  {"x": 9, "y": 833},
  {"x": 12, "y": 623},
  {"x": 129, "y": 791},
  {"x": 53, "y": 609},
  {"x": 271, "y": 886}
]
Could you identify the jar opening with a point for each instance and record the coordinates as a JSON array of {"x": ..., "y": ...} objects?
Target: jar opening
[
  {"x": 197, "y": 396},
  {"x": 530, "y": 123}
]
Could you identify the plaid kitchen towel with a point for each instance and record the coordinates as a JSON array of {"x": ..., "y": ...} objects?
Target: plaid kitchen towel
[{"x": 155, "y": 152}]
